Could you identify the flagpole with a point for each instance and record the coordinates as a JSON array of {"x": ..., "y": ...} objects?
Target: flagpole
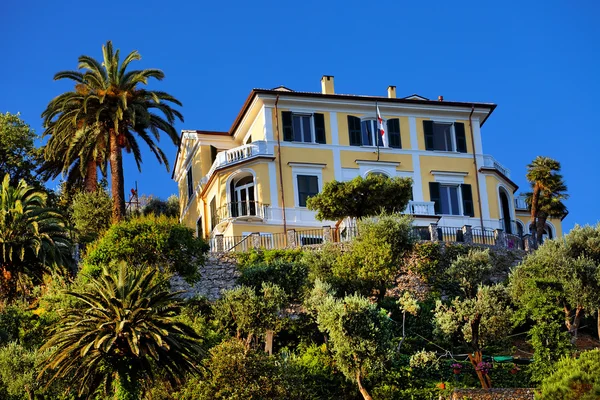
[{"x": 377, "y": 128}]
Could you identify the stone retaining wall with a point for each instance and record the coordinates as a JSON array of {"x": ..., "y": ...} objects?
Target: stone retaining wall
[
  {"x": 219, "y": 273},
  {"x": 494, "y": 394}
]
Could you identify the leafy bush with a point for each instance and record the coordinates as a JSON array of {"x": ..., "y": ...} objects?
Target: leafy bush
[
  {"x": 148, "y": 241},
  {"x": 237, "y": 373},
  {"x": 91, "y": 214},
  {"x": 23, "y": 326},
  {"x": 574, "y": 378},
  {"x": 290, "y": 276},
  {"x": 19, "y": 375},
  {"x": 261, "y": 256}
]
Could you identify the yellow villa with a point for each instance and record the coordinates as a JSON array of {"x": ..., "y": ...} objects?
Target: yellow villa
[{"x": 285, "y": 145}]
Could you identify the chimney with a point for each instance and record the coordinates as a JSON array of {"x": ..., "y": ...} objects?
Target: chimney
[
  {"x": 391, "y": 92},
  {"x": 440, "y": 98},
  {"x": 327, "y": 84}
]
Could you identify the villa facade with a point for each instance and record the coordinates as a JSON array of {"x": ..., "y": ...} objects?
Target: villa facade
[{"x": 285, "y": 145}]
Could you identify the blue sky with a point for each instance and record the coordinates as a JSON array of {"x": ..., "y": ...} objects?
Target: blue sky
[{"x": 539, "y": 61}]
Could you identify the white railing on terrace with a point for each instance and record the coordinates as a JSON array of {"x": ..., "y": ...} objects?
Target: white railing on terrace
[
  {"x": 520, "y": 203},
  {"x": 491, "y": 162},
  {"x": 420, "y": 208},
  {"x": 236, "y": 155}
]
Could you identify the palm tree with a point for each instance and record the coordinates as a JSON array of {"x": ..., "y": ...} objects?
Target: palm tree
[
  {"x": 122, "y": 328},
  {"x": 113, "y": 110},
  {"x": 543, "y": 174},
  {"x": 33, "y": 239},
  {"x": 550, "y": 205}
]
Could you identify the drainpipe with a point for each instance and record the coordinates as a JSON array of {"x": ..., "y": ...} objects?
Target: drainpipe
[
  {"x": 280, "y": 168},
  {"x": 476, "y": 169}
]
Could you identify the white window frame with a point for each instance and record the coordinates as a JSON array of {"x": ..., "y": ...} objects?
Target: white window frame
[
  {"x": 306, "y": 169},
  {"x": 458, "y": 196},
  {"x": 452, "y": 134},
  {"x": 374, "y": 133},
  {"x": 312, "y": 127}
]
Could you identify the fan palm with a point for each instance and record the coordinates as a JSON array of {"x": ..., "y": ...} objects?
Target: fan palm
[
  {"x": 550, "y": 205},
  {"x": 110, "y": 110},
  {"x": 543, "y": 174},
  {"x": 33, "y": 239},
  {"x": 122, "y": 329}
]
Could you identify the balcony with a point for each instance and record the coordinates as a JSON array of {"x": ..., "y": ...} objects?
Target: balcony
[
  {"x": 420, "y": 208},
  {"x": 236, "y": 155},
  {"x": 491, "y": 162},
  {"x": 244, "y": 210},
  {"x": 520, "y": 203}
]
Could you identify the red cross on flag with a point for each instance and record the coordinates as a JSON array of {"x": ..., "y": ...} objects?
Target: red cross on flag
[{"x": 381, "y": 128}]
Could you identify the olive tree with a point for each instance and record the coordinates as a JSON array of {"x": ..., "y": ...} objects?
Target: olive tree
[
  {"x": 361, "y": 197},
  {"x": 478, "y": 321},
  {"x": 360, "y": 334}
]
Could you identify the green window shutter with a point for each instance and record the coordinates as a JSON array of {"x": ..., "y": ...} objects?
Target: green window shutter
[
  {"x": 467, "y": 198},
  {"x": 354, "y": 130},
  {"x": 461, "y": 138},
  {"x": 393, "y": 131},
  {"x": 319, "y": 128},
  {"x": 434, "y": 195},
  {"x": 428, "y": 132},
  {"x": 288, "y": 131}
]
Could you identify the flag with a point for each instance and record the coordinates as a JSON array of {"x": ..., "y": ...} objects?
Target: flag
[{"x": 381, "y": 129}]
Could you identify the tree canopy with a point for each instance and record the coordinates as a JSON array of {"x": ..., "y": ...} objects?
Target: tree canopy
[
  {"x": 361, "y": 197},
  {"x": 19, "y": 158},
  {"x": 148, "y": 241},
  {"x": 106, "y": 113}
]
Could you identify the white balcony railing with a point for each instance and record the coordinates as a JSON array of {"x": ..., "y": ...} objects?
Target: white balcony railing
[
  {"x": 420, "y": 208},
  {"x": 520, "y": 203},
  {"x": 491, "y": 162},
  {"x": 235, "y": 155}
]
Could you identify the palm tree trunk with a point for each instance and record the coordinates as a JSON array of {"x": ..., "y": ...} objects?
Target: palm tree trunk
[
  {"x": 534, "y": 211},
  {"x": 91, "y": 177},
  {"x": 541, "y": 226},
  {"x": 361, "y": 388},
  {"x": 116, "y": 177}
]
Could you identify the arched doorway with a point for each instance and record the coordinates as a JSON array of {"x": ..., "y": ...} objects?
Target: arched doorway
[
  {"x": 243, "y": 201},
  {"x": 505, "y": 211}
]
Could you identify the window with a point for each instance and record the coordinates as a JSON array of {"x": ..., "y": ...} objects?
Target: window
[
  {"x": 214, "y": 220},
  {"x": 370, "y": 134},
  {"x": 305, "y": 128},
  {"x": 199, "y": 228},
  {"x": 308, "y": 185},
  {"x": 451, "y": 199},
  {"x": 190, "y": 183},
  {"x": 365, "y": 132},
  {"x": 242, "y": 196},
  {"x": 445, "y": 136}
]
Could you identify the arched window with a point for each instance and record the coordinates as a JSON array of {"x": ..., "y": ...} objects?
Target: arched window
[
  {"x": 520, "y": 229},
  {"x": 377, "y": 173},
  {"x": 505, "y": 213},
  {"x": 548, "y": 232},
  {"x": 243, "y": 200}
]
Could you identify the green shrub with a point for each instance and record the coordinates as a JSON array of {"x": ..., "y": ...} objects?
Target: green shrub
[
  {"x": 574, "y": 378},
  {"x": 26, "y": 327},
  {"x": 19, "y": 375},
  {"x": 290, "y": 276},
  {"x": 148, "y": 241},
  {"x": 261, "y": 256}
]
